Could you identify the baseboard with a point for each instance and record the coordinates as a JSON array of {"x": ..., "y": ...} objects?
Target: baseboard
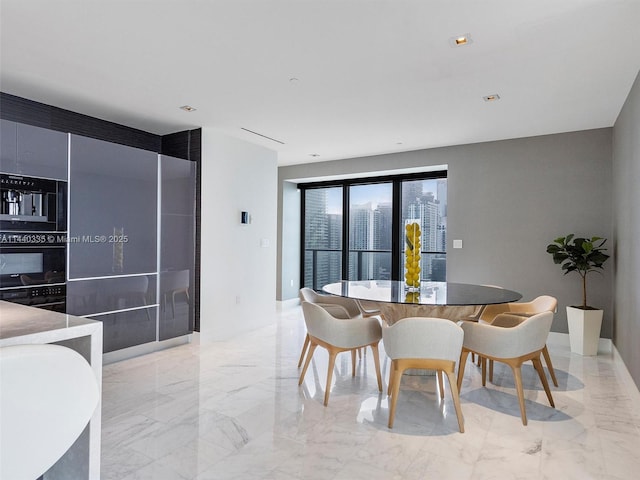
[
  {"x": 627, "y": 379},
  {"x": 605, "y": 345},
  {"x": 145, "y": 348},
  {"x": 287, "y": 304}
]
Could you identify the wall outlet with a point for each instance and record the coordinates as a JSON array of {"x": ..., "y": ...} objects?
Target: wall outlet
[
  {"x": 457, "y": 244},
  {"x": 291, "y": 283},
  {"x": 237, "y": 300}
]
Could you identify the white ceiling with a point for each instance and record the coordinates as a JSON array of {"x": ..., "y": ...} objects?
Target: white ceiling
[{"x": 374, "y": 76}]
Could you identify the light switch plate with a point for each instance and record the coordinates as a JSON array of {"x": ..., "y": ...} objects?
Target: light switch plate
[{"x": 457, "y": 244}]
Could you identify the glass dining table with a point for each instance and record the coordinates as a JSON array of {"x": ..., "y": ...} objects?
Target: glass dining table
[{"x": 451, "y": 300}]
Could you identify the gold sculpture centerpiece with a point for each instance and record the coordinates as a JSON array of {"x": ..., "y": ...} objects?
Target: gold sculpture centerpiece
[{"x": 412, "y": 256}]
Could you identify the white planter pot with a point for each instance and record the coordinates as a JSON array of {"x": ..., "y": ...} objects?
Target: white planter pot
[{"x": 584, "y": 330}]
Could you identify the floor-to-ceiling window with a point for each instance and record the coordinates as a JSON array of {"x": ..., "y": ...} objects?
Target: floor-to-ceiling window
[
  {"x": 370, "y": 223},
  {"x": 354, "y": 229},
  {"x": 322, "y": 210}
]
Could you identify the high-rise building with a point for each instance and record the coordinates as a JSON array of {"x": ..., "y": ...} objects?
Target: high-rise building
[
  {"x": 360, "y": 238},
  {"x": 382, "y": 224}
]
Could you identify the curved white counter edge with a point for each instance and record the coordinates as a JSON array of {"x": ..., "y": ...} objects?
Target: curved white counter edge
[{"x": 20, "y": 325}]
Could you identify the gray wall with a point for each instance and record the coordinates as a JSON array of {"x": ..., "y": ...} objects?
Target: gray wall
[
  {"x": 626, "y": 207},
  {"x": 506, "y": 200}
]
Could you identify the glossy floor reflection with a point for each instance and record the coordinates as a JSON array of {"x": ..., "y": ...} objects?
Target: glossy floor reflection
[{"x": 233, "y": 410}]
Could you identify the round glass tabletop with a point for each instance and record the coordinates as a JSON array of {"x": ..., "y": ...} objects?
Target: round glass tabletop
[{"x": 430, "y": 293}]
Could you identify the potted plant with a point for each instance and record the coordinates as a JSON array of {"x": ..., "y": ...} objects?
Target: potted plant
[{"x": 581, "y": 255}]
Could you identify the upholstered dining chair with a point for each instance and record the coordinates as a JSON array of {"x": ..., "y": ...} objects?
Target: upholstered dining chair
[
  {"x": 519, "y": 311},
  {"x": 512, "y": 346},
  {"x": 339, "y": 307},
  {"x": 337, "y": 335},
  {"x": 423, "y": 343}
]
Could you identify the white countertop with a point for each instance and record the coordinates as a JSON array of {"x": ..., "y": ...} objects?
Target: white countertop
[{"x": 21, "y": 324}]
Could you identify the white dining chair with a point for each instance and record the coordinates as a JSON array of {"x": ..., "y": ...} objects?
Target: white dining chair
[
  {"x": 518, "y": 311},
  {"x": 338, "y": 307},
  {"x": 339, "y": 335},
  {"x": 512, "y": 346},
  {"x": 423, "y": 343}
]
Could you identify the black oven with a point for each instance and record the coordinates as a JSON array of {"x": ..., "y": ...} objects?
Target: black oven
[
  {"x": 32, "y": 204},
  {"x": 33, "y": 269}
]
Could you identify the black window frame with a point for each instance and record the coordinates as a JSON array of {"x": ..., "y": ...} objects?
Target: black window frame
[{"x": 396, "y": 181}]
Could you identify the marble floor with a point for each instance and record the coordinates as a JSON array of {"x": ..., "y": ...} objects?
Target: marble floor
[{"x": 233, "y": 410}]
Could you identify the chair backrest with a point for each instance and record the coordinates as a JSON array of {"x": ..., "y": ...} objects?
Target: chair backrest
[
  {"x": 308, "y": 295},
  {"x": 423, "y": 337},
  {"x": 543, "y": 303},
  {"x": 527, "y": 337},
  {"x": 338, "y": 332},
  {"x": 532, "y": 333},
  {"x": 349, "y": 305}
]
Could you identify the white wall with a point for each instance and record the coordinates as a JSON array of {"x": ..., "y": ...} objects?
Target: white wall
[
  {"x": 238, "y": 280},
  {"x": 626, "y": 207}
]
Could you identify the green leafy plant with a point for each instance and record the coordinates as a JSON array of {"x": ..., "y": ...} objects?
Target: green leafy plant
[{"x": 582, "y": 255}]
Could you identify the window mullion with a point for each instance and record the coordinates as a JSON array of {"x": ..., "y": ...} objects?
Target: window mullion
[
  {"x": 345, "y": 232},
  {"x": 395, "y": 230}
]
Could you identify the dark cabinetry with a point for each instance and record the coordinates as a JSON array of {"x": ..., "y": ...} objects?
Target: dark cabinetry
[
  {"x": 33, "y": 151},
  {"x": 177, "y": 246},
  {"x": 113, "y": 236},
  {"x": 113, "y": 197}
]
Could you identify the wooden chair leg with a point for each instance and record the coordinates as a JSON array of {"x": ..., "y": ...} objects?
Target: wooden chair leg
[
  {"x": 473, "y": 358},
  {"x": 440, "y": 383},
  {"x": 391, "y": 374},
  {"x": 353, "y": 363},
  {"x": 312, "y": 348},
  {"x": 395, "y": 390},
  {"x": 376, "y": 361},
  {"x": 304, "y": 349},
  {"x": 547, "y": 360},
  {"x": 463, "y": 360},
  {"x": 543, "y": 378},
  {"x": 517, "y": 375},
  {"x": 483, "y": 363},
  {"x": 332, "y": 363},
  {"x": 456, "y": 399},
  {"x": 491, "y": 370}
]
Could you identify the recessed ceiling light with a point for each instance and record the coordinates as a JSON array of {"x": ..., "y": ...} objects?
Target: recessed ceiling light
[
  {"x": 460, "y": 40},
  {"x": 294, "y": 80},
  {"x": 398, "y": 143},
  {"x": 491, "y": 98},
  {"x": 187, "y": 108},
  {"x": 314, "y": 154}
]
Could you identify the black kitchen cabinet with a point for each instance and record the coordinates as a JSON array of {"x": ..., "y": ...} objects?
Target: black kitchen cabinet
[
  {"x": 33, "y": 151},
  {"x": 113, "y": 198},
  {"x": 177, "y": 247}
]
